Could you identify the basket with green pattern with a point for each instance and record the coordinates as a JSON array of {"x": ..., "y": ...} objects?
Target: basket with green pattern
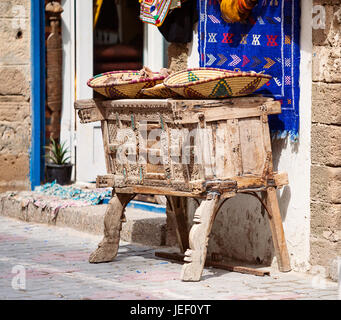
[{"x": 214, "y": 83}]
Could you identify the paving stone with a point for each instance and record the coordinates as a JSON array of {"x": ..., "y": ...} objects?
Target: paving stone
[{"x": 57, "y": 268}]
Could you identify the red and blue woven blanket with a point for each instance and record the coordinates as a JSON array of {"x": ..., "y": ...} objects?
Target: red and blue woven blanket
[{"x": 267, "y": 42}]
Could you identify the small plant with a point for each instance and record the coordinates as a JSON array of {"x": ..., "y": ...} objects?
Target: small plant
[{"x": 58, "y": 153}]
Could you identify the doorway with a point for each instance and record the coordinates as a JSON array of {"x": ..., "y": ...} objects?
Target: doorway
[
  {"x": 92, "y": 47},
  {"x": 118, "y": 36}
]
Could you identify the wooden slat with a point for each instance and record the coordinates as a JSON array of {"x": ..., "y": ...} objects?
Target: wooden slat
[
  {"x": 220, "y": 148},
  {"x": 243, "y": 183},
  {"x": 105, "y": 137},
  {"x": 277, "y": 231},
  {"x": 233, "y": 166},
  {"x": 156, "y": 191},
  {"x": 186, "y": 110},
  {"x": 229, "y": 113},
  {"x": 195, "y": 256},
  {"x": 252, "y": 145},
  {"x": 229, "y": 266},
  {"x": 245, "y": 102},
  {"x": 178, "y": 208}
]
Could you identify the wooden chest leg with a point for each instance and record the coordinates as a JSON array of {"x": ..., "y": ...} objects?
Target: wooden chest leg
[
  {"x": 277, "y": 231},
  {"x": 108, "y": 247},
  {"x": 177, "y": 207},
  {"x": 195, "y": 257}
]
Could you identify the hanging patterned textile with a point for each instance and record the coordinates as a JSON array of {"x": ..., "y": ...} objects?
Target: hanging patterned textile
[
  {"x": 268, "y": 42},
  {"x": 154, "y": 11}
]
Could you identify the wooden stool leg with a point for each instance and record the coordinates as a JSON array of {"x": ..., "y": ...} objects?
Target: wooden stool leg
[
  {"x": 178, "y": 209},
  {"x": 195, "y": 257},
  {"x": 277, "y": 231},
  {"x": 108, "y": 247}
]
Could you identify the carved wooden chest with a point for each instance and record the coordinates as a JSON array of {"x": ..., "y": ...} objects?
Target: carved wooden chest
[{"x": 208, "y": 149}]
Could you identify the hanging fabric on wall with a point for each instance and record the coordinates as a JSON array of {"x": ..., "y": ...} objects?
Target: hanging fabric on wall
[
  {"x": 154, "y": 11},
  {"x": 178, "y": 26},
  {"x": 267, "y": 42}
]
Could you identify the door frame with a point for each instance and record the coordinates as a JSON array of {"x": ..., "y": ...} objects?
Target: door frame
[
  {"x": 37, "y": 154},
  {"x": 77, "y": 33}
]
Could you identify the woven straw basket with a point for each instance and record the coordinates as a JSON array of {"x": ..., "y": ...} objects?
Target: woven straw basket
[
  {"x": 215, "y": 83},
  {"x": 160, "y": 91},
  {"x": 123, "y": 90}
]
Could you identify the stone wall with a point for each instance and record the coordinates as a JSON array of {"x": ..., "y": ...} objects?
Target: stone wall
[
  {"x": 15, "y": 120},
  {"x": 326, "y": 137}
]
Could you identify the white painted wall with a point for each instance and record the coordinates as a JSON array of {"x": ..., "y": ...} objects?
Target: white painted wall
[
  {"x": 153, "y": 48},
  {"x": 67, "y": 131},
  {"x": 240, "y": 230}
]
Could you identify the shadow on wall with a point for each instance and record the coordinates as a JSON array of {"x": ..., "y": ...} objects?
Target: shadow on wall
[{"x": 241, "y": 230}]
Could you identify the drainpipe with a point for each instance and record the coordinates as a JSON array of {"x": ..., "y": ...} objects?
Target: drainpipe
[{"x": 37, "y": 162}]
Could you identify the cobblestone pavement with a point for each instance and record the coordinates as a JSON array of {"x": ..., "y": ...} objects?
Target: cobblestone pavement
[{"x": 51, "y": 263}]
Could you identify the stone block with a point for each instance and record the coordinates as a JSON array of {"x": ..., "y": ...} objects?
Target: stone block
[
  {"x": 15, "y": 137},
  {"x": 142, "y": 227},
  {"x": 14, "y": 42},
  {"x": 328, "y": 34},
  {"x": 322, "y": 24},
  {"x": 326, "y": 184},
  {"x": 326, "y": 146},
  {"x": 14, "y": 110},
  {"x": 323, "y": 252},
  {"x": 14, "y": 167},
  {"x": 15, "y": 80},
  {"x": 325, "y": 217},
  {"x": 177, "y": 56},
  {"x": 326, "y": 103},
  {"x": 327, "y": 64},
  {"x": 15, "y": 8}
]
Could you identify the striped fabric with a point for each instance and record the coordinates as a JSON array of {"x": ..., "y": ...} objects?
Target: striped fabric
[{"x": 154, "y": 11}]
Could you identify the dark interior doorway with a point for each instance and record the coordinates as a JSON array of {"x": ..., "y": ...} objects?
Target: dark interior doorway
[{"x": 118, "y": 36}]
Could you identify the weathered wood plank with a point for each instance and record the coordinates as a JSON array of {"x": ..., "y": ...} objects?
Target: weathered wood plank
[
  {"x": 195, "y": 256},
  {"x": 177, "y": 111},
  {"x": 228, "y": 113},
  {"x": 252, "y": 145},
  {"x": 234, "y": 165},
  {"x": 230, "y": 266},
  {"x": 107, "y": 153},
  {"x": 178, "y": 208},
  {"x": 177, "y": 103},
  {"x": 108, "y": 247},
  {"x": 242, "y": 183},
  {"x": 277, "y": 231}
]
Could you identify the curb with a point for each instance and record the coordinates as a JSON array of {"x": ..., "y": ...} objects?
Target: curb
[{"x": 143, "y": 227}]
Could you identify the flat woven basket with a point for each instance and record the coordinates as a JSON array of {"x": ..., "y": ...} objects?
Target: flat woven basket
[
  {"x": 125, "y": 89},
  {"x": 160, "y": 91},
  {"x": 215, "y": 83}
]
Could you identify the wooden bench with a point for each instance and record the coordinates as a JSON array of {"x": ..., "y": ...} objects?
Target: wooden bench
[{"x": 209, "y": 150}]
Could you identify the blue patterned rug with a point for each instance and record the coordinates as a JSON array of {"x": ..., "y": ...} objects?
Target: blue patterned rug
[{"x": 268, "y": 42}]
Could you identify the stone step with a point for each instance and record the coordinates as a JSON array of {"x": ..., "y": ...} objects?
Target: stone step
[{"x": 143, "y": 227}]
